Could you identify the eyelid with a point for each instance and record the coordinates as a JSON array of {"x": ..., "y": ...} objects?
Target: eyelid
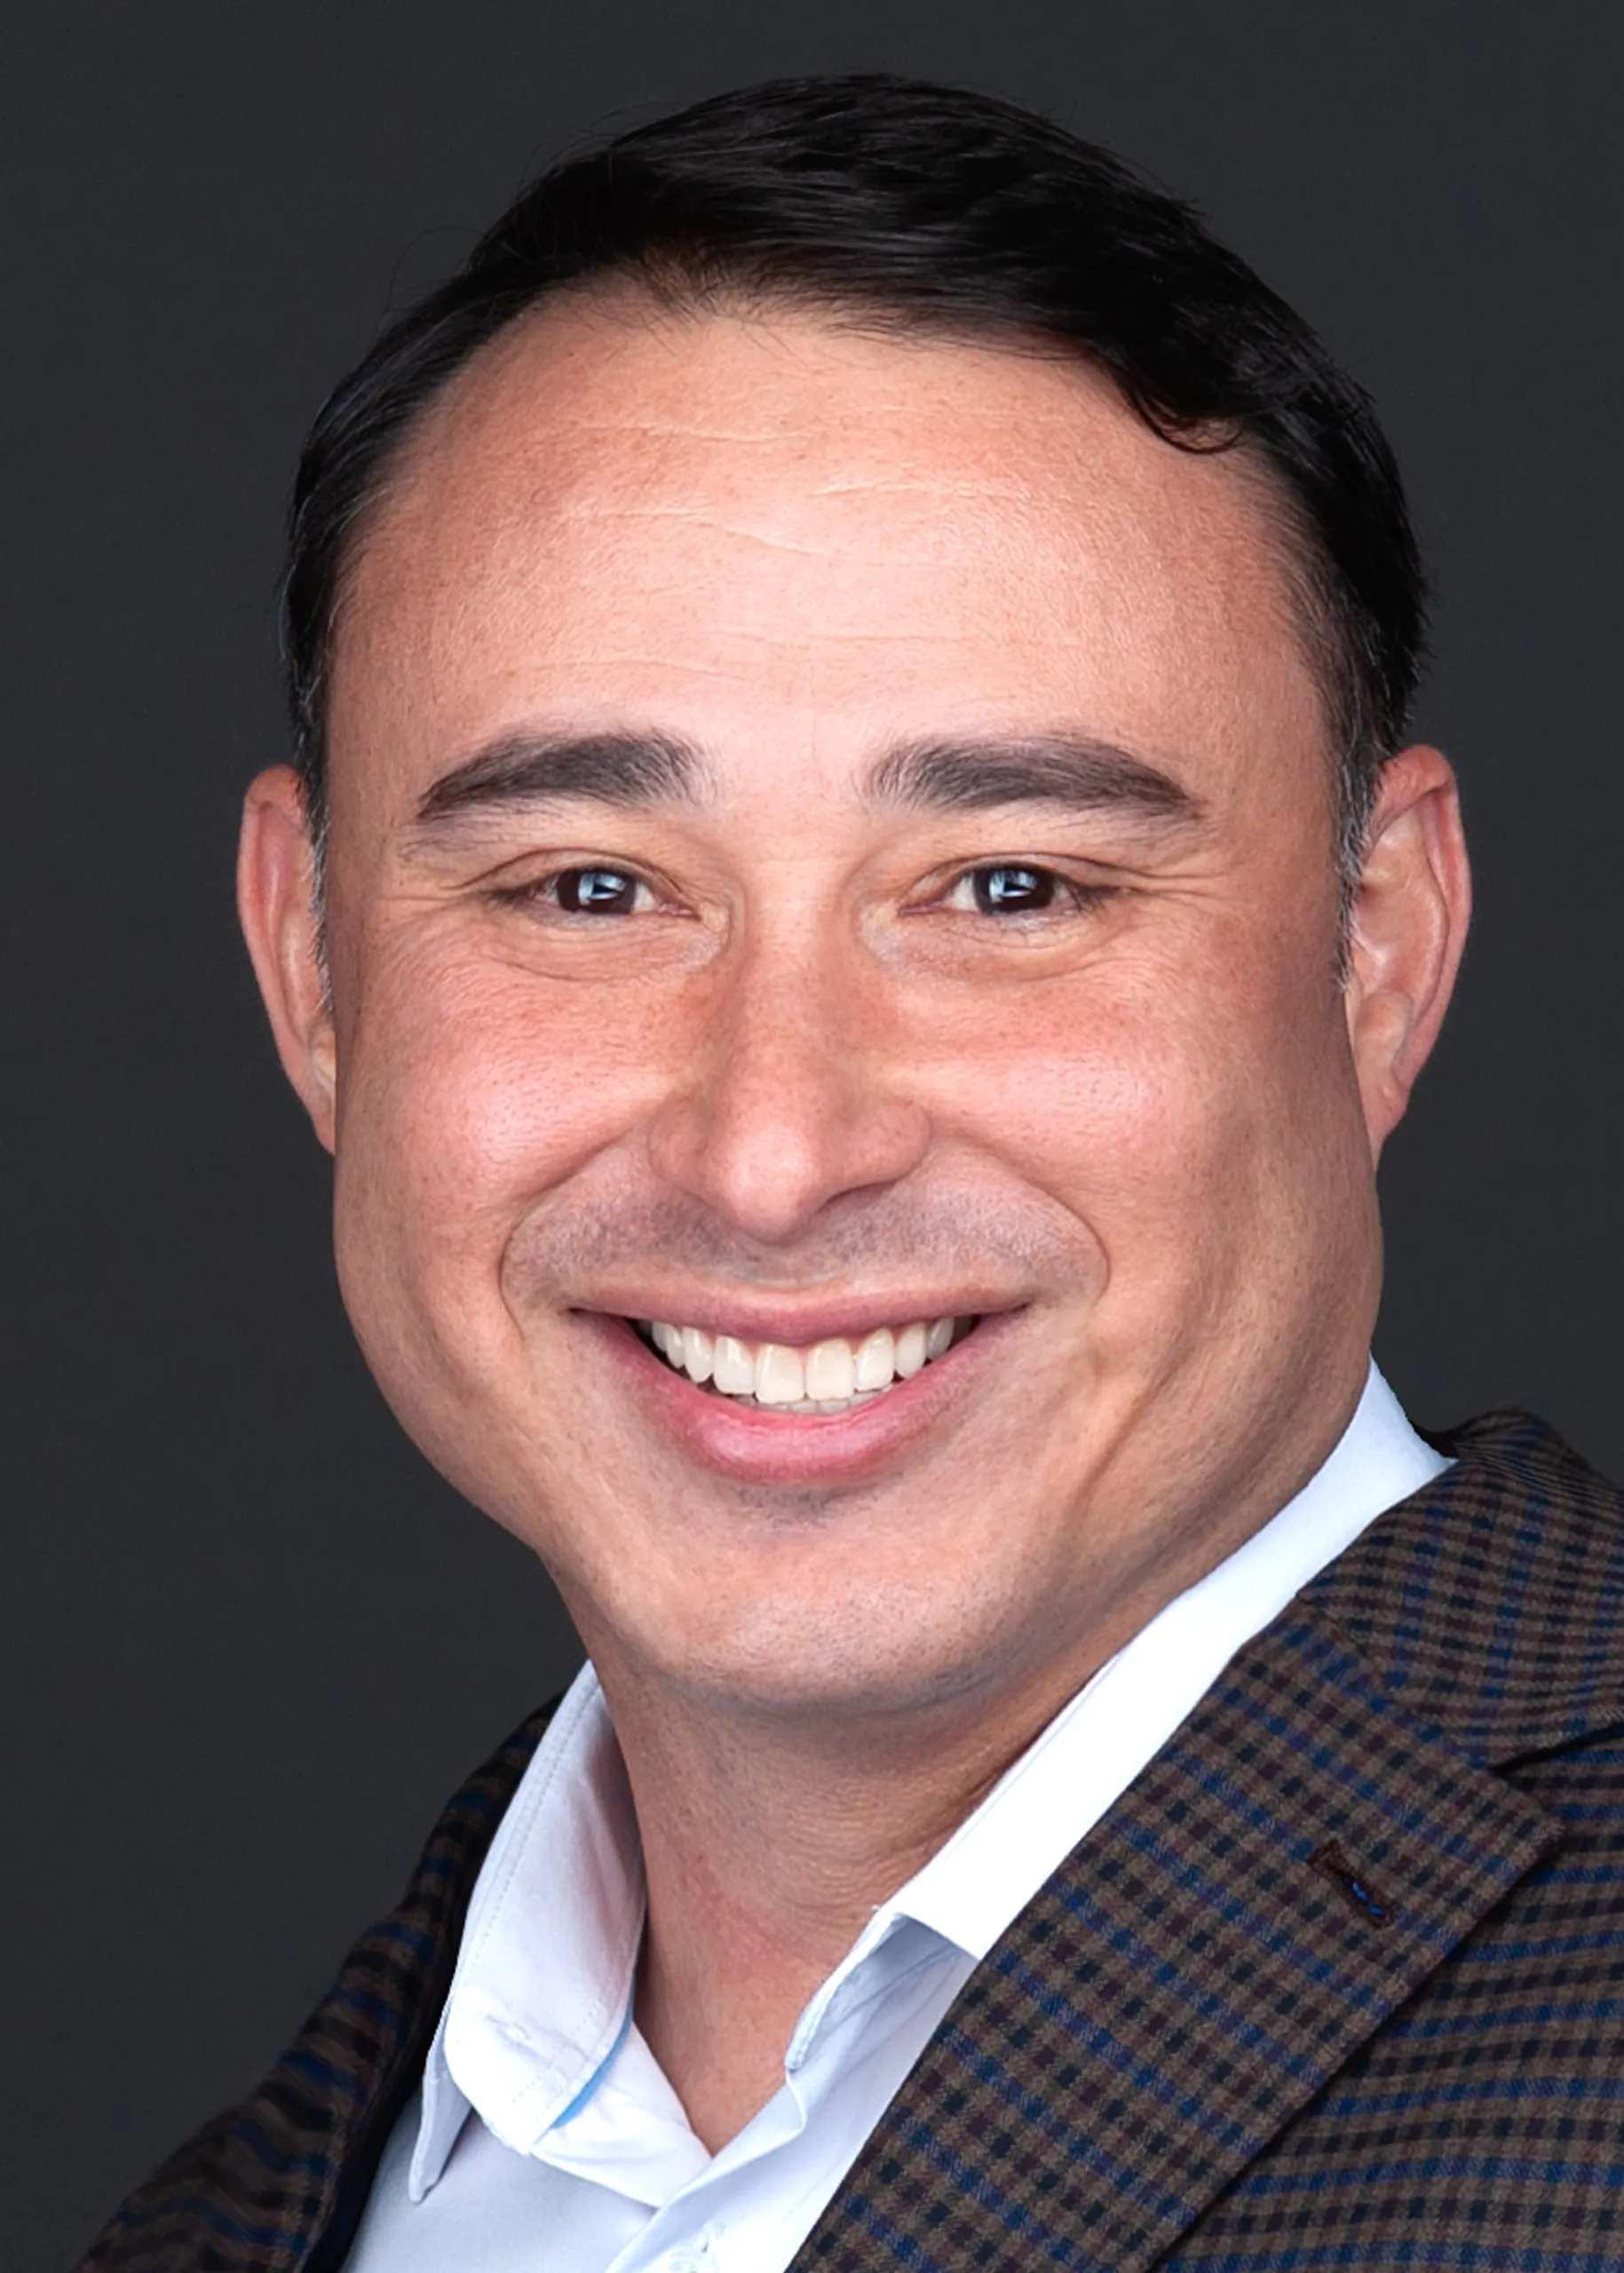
[
  {"x": 1079, "y": 891},
  {"x": 535, "y": 886}
]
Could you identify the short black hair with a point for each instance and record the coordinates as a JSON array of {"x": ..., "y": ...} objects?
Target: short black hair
[{"x": 908, "y": 205}]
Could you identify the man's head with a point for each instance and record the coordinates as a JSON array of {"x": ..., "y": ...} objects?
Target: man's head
[{"x": 847, "y": 672}]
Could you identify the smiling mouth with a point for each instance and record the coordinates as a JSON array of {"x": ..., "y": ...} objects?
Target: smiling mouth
[{"x": 829, "y": 1377}]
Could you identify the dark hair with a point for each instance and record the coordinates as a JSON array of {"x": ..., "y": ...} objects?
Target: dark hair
[{"x": 907, "y": 204}]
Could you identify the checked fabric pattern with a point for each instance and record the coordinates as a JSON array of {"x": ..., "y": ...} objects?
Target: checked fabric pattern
[{"x": 1338, "y": 1984}]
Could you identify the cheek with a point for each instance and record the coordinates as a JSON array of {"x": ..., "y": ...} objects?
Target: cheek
[
  {"x": 468, "y": 1088},
  {"x": 1181, "y": 1111}
]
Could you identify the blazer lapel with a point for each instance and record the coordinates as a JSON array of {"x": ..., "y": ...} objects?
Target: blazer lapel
[{"x": 1281, "y": 1877}]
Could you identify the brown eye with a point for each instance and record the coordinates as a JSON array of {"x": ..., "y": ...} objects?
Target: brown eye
[
  {"x": 1013, "y": 891},
  {"x": 595, "y": 892}
]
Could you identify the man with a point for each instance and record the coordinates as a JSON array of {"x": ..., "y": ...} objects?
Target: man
[{"x": 855, "y": 914}]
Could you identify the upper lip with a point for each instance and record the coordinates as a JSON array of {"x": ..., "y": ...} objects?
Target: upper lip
[{"x": 800, "y": 1326}]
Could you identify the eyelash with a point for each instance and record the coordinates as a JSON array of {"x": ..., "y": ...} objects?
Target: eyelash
[
  {"x": 1048, "y": 885},
  {"x": 1062, "y": 894},
  {"x": 549, "y": 889}
]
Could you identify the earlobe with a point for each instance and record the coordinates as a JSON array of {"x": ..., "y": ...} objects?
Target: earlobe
[
  {"x": 276, "y": 903},
  {"x": 1409, "y": 925}
]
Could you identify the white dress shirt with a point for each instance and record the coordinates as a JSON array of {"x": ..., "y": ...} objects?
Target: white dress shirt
[{"x": 545, "y": 2136}]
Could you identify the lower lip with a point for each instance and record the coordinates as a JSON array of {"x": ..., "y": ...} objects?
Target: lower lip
[{"x": 759, "y": 1446}]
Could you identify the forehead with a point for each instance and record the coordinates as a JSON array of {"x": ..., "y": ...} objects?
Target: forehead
[{"x": 788, "y": 537}]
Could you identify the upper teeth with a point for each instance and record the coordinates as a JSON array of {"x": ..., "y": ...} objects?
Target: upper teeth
[{"x": 826, "y": 1376}]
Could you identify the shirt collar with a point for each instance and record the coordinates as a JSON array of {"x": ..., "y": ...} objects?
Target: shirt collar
[{"x": 542, "y": 1994}]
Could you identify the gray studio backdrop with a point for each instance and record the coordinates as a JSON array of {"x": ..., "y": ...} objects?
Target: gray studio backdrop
[{"x": 250, "y": 1640}]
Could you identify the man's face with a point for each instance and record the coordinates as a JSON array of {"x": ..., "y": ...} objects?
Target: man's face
[{"x": 831, "y": 848}]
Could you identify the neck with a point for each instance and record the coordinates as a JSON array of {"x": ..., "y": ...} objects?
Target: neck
[{"x": 776, "y": 1845}]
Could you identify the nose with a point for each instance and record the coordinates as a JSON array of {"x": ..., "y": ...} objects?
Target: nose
[{"x": 795, "y": 1096}]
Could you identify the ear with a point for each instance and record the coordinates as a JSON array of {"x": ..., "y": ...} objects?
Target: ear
[
  {"x": 276, "y": 902},
  {"x": 1409, "y": 924}
]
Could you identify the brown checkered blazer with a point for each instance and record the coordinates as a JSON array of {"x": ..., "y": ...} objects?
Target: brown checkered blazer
[{"x": 1337, "y": 1986}]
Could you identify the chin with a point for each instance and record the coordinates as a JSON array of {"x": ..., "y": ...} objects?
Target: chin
[{"x": 865, "y": 1653}]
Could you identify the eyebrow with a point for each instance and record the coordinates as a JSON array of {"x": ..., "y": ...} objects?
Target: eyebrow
[
  {"x": 1052, "y": 769},
  {"x": 629, "y": 768},
  {"x": 613, "y": 768}
]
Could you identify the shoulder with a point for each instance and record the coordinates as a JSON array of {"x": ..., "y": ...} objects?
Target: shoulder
[{"x": 1490, "y": 1602}]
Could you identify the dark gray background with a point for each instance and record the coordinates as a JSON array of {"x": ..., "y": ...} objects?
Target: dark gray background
[{"x": 250, "y": 1640}]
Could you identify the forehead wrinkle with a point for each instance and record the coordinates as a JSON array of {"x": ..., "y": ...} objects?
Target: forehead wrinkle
[
  {"x": 702, "y": 517},
  {"x": 662, "y": 429}
]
